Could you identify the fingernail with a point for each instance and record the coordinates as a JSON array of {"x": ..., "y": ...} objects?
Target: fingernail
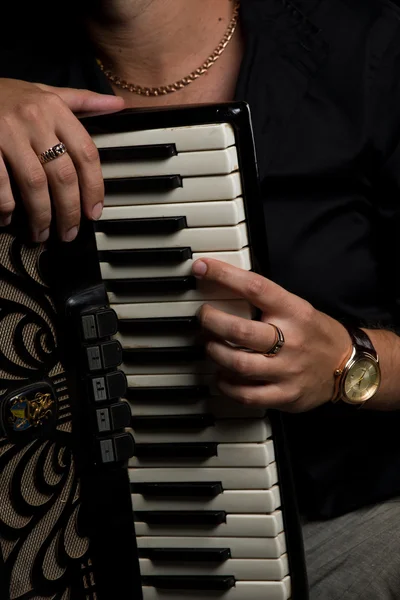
[
  {"x": 199, "y": 268},
  {"x": 4, "y": 221},
  {"x": 97, "y": 210},
  {"x": 70, "y": 234},
  {"x": 42, "y": 236}
]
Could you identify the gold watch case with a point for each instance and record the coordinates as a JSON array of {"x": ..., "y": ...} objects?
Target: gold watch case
[{"x": 360, "y": 378}]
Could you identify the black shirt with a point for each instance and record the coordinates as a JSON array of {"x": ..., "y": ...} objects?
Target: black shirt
[{"x": 322, "y": 78}]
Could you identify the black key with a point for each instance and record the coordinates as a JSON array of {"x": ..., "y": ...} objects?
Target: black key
[
  {"x": 151, "y": 285},
  {"x": 99, "y": 324},
  {"x": 190, "y": 582},
  {"x": 155, "y": 225},
  {"x": 215, "y": 555},
  {"x": 117, "y": 448},
  {"x": 183, "y": 393},
  {"x": 192, "y": 490},
  {"x": 111, "y": 418},
  {"x": 158, "y": 325},
  {"x": 151, "y": 356},
  {"x": 210, "y": 518},
  {"x": 125, "y": 153},
  {"x": 146, "y": 256},
  {"x": 107, "y": 387},
  {"x": 185, "y": 451},
  {"x": 135, "y": 185},
  {"x": 175, "y": 422},
  {"x": 104, "y": 356}
]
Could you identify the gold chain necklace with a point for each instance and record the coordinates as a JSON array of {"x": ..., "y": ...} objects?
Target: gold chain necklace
[{"x": 181, "y": 83}]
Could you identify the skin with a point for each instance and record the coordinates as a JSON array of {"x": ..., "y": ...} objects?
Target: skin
[{"x": 154, "y": 42}]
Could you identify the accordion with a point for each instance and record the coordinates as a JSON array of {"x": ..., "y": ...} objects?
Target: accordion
[{"x": 123, "y": 473}]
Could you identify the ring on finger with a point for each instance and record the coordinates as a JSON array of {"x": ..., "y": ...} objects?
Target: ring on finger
[
  {"x": 276, "y": 347},
  {"x": 52, "y": 153}
]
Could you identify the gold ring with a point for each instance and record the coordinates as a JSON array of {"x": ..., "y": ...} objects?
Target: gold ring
[
  {"x": 52, "y": 153},
  {"x": 278, "y": 344},
  {"x": 276, "y": 347}
]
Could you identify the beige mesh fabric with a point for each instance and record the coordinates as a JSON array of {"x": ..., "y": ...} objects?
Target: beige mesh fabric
[
  {"x": 6, "y": 240},
  {"x": 75, "y": 546},
  {"x": 30, "y": 259}
]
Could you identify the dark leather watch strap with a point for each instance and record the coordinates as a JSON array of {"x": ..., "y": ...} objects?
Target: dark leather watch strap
[{"x": 361, "y": 340}]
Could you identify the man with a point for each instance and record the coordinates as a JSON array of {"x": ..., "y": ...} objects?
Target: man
[{"x": 321, "y": 78}]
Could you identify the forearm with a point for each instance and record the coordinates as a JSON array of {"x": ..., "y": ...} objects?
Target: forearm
[{"x": 387, "y": 345}]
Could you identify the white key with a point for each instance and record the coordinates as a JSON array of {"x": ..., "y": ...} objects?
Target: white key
[
  {"x": 235, "y": 526},
  {"x": 186, "y": 164},
  {"x": 231, "y": 479},
  {"x": 220, "y": 407},
  {"x": 239, "y": 547},
  {"x": 204, "y": 291},
  {"x": 194, "y": 189},
  {"x": 233, "y": 501},
  {"x": 198, "y": 214},
  {"x": 243, "y": 590},
  {"x": 205, "y": 366},
  {"x": 238, "y": 258},
  {"x": 240, "y": 308},
  {"x": 150, "y": 340},
  {"x": 186, "y": 139},
  {"x": 200, "y": 239},
  {"x": 224, "y": 431},
  {"x": 242, "y": 569},
  {"x": 229, "y": 455}
]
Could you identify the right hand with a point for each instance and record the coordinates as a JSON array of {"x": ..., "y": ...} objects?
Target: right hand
[{"x": 33, "y": 118}]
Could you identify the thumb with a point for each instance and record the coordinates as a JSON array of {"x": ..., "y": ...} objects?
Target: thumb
[{"x": 85, "y": 101}]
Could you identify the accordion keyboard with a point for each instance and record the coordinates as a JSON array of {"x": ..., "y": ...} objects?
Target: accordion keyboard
[{"x": 205, "y": 481}]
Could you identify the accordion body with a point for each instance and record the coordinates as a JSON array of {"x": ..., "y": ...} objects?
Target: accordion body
[{"x": 123, "y": 473}]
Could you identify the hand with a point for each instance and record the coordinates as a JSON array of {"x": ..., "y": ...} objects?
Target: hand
[
  {"x": 33, "y": 118},
  {"x": 301, "y": 376}
]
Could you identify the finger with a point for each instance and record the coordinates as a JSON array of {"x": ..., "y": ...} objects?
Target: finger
[
  {"x": 63, "y": 183},
  {"x": 243, "y": 332},
  {"x": 250, "y": 365},
  {"x": 85, "y": 101},
  {"x": 85, "y": 157},
  {"x": 32, "y": 184},
  {"x": 268, "y": 395},
  {"x": 7, "y": 203},
  {"x": 259, "y": 291}
]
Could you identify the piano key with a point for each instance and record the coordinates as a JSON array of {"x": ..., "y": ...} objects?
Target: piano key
[
  {"x": 186, "y": 489},
  {"x": 186, "y": 164},
  {"x": 164, "y": 339},
  {"x": 116, "y": 264},
  {"x": 199, "y": 291},
  {"x": 159, "y": 185},
  {"x": 196, "y": 366},
  {"x": 175, "y": 422},
  {"x": 224, "y": 455},
  {"x": 146, "y": 256},
  {"x": 250, "y": 590},
  {"x": 197, "y": 214},
  {"x": 274, "y": 569},
  {"x": 264, "y": 526},
  {"x": 152, "y": 226},
  {"x": 195, "y": 518},
  {"x": 223, "y": 431},
  {"x": 179, "y": 582},
  {"x": 162, "y": 325},
  {"x": 239, "y": 547},
  {"x": 137, "y": 152},
  {"x": 232, "y": 501},
  {"x": 151, "y": 285},
  {"x": 200, "y": 239},
  {"x": 172, "y": 189},
  {"x": 256, "y": 478},
  {"x": 240, "y": 308},
  {"x": 198, "y": 555},
  {"x": 185, "y": 139},
  {"x": 162, "y": 355}
]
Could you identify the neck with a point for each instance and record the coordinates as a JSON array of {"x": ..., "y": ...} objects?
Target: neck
[{"x": 155, "y": 42}]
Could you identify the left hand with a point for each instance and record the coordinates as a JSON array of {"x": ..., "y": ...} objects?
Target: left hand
[{"x": 301, "y": 376}]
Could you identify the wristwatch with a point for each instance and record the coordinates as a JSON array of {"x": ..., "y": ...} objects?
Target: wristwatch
[{"x": 359, "y": 376}]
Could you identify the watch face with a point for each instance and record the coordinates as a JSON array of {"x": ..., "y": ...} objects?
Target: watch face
[{"x": 362, "y": 380}]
